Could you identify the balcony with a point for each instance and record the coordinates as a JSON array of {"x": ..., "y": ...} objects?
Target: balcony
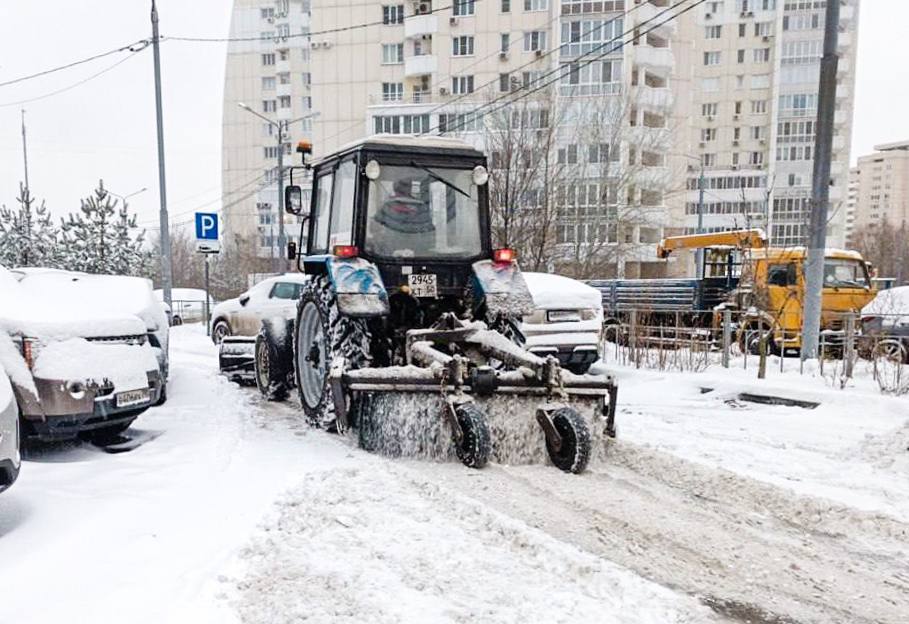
[
  {"x": 420, "y": 65},
  {"x": 659, "y": 59},
  {"x": 649, "y": 11},
  {"x": 652, "y": 97},
  {"x": 419, "y": 25}
]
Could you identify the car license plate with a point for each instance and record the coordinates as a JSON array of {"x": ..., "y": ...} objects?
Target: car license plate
[
  {"x": 563, "y": 316},
  {"x": 133, "y": 397},
  {"x": 423, "y": 285}
]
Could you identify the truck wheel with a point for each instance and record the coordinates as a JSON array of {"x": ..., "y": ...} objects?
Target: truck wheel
[
  {"x": 475, "y": 445},
  {"x": 574, "y": 453},
  {"x": 322, "y": 333},
  {"x": 271, "y": 380}
]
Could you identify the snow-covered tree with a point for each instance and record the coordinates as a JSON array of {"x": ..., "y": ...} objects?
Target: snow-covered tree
[
  {"x": 102, "y": 238},
  {"x": 28, "y": 237}
]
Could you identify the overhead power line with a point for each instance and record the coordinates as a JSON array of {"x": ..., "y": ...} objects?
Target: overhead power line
[{"x": 133, "y": 47}]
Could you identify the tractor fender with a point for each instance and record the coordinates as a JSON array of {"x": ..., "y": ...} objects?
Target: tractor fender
[
  {"x": 501, "y": 286},
  {"x": 356, "y": 282}
]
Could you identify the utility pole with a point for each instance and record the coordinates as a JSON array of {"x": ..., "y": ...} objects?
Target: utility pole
[
  {"x": 823, "y": 152},
  {"x": 25, "y": 149},
  {"x": 282, "y": 261},
  {"x": 166, "y": 274},
  {"x": 699, "y": 253}
]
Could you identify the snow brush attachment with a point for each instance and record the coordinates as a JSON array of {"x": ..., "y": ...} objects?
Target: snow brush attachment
[{"x": 450, "y": 402}]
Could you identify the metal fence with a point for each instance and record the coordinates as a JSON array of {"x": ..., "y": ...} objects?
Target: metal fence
[{"x": 731, "y": 338}]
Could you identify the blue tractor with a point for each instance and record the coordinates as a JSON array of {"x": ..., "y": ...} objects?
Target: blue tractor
[{"x": 408, "y": 328}]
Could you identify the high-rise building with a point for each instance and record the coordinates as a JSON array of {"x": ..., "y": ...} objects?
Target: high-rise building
[
  {"x": 754, "y": 109},
  {"x": 882, "y": 186},
  {"x": 851, "y": 204},
  {"x": 268, "y": 72}
]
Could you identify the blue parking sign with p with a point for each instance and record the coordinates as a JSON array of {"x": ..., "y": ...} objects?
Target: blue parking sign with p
[{"x": 206, "y": 226}]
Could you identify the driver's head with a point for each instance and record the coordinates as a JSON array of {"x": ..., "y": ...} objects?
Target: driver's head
[{"x": 403, "y": 187}]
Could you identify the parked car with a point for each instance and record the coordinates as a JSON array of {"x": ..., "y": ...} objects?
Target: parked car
[
  {"x": 567, "y": 322},
  {"x": 188, "y": 305},
  {"x": 885, "y": 325},
  {"x": 9, "y": 422},
  {"x": 242, "y": 316},
  {"x": 95, "y": 347}
]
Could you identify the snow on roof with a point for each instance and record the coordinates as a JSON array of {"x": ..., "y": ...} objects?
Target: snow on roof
[
  {"x": 52, "y": 303},
  {"x": 556, "y": 292},
  {"x": 410, "y": 141},
  {"x": 892, "y": 301}
]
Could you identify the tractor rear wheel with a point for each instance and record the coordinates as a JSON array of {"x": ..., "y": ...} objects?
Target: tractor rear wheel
[
  {"x": 475, "y": 446},
  {"x": 574, "y": 452},
  {"x": 323, "y": 333}
]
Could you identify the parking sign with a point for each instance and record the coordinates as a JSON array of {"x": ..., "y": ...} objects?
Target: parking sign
[{"x": 206, "y": 226}]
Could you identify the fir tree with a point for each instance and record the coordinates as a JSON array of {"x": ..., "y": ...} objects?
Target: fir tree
[
  {"x": 28, "y": 237},
  {"x": 102, "y": 238}
]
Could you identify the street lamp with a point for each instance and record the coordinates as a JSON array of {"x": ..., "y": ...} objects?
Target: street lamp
[
  {"x": 280, "y": 126},
  {"x": 125, "y": 197}
]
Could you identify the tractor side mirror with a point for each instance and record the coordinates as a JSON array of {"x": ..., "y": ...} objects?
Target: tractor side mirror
[
  {"x": 291, "y": 250},
  {"x": 293, "y": 200}
]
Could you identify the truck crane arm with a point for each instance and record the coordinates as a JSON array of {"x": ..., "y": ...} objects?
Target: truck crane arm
[{"x": 743, "y": 239}]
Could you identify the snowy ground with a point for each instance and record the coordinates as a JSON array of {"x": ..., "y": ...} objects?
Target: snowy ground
[{"x": 707, "y": 509}]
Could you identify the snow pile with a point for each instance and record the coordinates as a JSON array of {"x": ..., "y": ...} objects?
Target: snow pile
[
  {"x": 555, "y": 292},
  {"x": 126, "y": 366},
  {"x": 380, "y": 544},
  {"x": 891, "y": 303}
]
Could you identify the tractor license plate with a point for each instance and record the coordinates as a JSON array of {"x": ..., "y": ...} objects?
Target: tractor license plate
[
  {"x": 423, "y": 285},
  {"x": 133, "y": 397}
]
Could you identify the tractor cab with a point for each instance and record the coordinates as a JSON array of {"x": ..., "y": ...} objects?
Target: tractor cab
[{"x": 416, "y": 208}]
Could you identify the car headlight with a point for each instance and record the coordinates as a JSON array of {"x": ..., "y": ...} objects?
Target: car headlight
[{"x": 589, "y": 314}]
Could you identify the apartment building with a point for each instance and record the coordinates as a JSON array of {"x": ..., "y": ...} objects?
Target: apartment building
[
  {"x": 851, "y": 204},
  {"x": 881, "y": 184},
  {"x": 754, "y": 103},
  {"x": 433, "y": 66},
  {"x": 267, "y": 71}
]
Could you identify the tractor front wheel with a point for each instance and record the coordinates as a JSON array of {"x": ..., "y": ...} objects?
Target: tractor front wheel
[
  {"x": 475, "y": 446},
  {"x": 574, "y": 452}
]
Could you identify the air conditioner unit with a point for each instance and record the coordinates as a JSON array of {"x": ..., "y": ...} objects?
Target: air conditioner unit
[
  {"x": 271, "y": 20},
  {"x": 702, "y": 144},
  {"x": 503, "y": 56},
  {"x": 423, "y": 7},
  {"x": 708, "y": 16},
  {"x": 734, "y": 167},
  {"x": 709, "y": 117},
  {"x": 443, "y": 91},
  {"x": 736, "y": 117},
  {"x": 735, "y": 144},
  {"x": 538, "y": 52},
  {"x": 750, "y": 14},
  {"x": 763, "y": 141},
  {"x": 453, "y": 21},
  {"x": 766, "y": 38}
]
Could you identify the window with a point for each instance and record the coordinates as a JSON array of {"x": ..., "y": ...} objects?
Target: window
[
  {"x": 461, "y": 84},
  {"x": 267, "y": 34},
  {"x": 536, "y": 5},
  {"x": 756, "y": 159},
  {"x": 506, "y": 6},
  {"x": 758, "y": 107},
  {"x": 590, "y": 36},
  {"x": 796, "y": 131},
  {"x": 269, "y": 106},
  {"x": 505, "y": 42},
  {"x": 393, "y": 14},
  {"x": 713, "y": 32},
  {"x": 283, "y": 55},
  {"x": 267, "y": 13},
  {"x": 462, "y": 46},
  {"x": 268, "y": 83},
  {"x": 801, "y": 52},
  {"x": 708, "y": 160},
  {"x": 738, "y": 108},
  {"x": 460, "y": 122},
  {"x": 272, "y": 151},
  {"x": 307, "y": 78},
  {"x": 597, "y": 78},
  {"x": 321, "y": 212},
  {"x": 794, "y": 152},
  {"x": 781, "y": 275},
  {"x": 306, "y": 101},
  {"x": 761, "y": 55},
  {"x": 285, "y": 290},
  {"x": 798, "y": 104},
  {"x": 504, "y": 83},
  {"x": 268, "y": 59},
  {"x": 392, "y": 53},
  {"x": 709, "y": 110},
  {"x": 401, "y": 124},
  {"x": 534, "y": 40},
  {"x": 392, "y": 91},
  {"x": 763, "y": 29},
  {"x": 741, "y": 56},
  {"x": 283, "y": 31},
  {"x": 712, "y": 58},
  {"x": 761, "y": 81},
  {"x": 708, "y": 134},
  {"x": 463, "y": 7},
  {"x": 340, "y": 232},
  {"x": 284, "y": 101},
  {"x": 715, "y": 6},
  {"x": 284, "y": 78},
  {"x": 758, "y": 133},
  {"x": 743, "y": 30},
  {"x": 601, "y": 153}
]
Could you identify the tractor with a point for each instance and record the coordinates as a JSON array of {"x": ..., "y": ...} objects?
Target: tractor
[{"x": 408, "y": 329}]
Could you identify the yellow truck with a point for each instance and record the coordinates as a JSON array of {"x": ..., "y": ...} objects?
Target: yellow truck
[{"x": 764, "y": 286}]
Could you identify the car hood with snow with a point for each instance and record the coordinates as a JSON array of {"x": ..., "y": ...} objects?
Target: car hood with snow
[{"x": 891, "y": 306}]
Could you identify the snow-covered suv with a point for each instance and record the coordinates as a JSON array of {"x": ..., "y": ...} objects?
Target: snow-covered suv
[
  {"x": 9, "y": 420},
  {"x": 95, "y": 347}
]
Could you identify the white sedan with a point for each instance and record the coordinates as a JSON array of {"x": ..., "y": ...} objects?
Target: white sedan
[
  {"x": 567, "y": 322},
  {"x": 242, "y": 316}
]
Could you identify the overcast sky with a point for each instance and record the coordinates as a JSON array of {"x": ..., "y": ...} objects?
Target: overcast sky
[{"x": 105, "y": 128}]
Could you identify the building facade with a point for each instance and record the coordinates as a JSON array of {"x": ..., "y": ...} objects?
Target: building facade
[
  {"x": 267, "y": 70},
  {"x": 754, "y": 107},
  {"x": 881, "y": 183}
]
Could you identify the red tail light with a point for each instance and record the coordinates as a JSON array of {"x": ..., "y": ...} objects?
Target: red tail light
[
  {"x": 505, "y": 255},
  {"x": 346, "y": 251}
]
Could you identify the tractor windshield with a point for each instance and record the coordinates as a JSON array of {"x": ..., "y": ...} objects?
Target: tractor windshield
[
  {"x": 423, "y": 212},
  {"x": 845, "y": 273}
]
